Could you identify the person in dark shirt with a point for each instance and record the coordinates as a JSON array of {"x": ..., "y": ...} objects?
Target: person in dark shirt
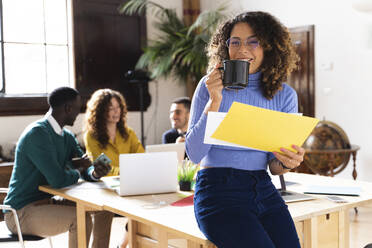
[{"x": 179, "y": 117}]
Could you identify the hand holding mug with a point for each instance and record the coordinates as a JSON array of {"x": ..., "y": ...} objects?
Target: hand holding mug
[{"x": 214, "y": 84}]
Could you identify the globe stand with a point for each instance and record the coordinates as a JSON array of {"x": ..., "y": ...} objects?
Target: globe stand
[{"x": 328, "y": 155}]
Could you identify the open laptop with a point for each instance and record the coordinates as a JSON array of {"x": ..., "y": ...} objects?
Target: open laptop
[
  {"x": 290, "y": 196},
  {"x": 146, "y": 173},
  {"x": 179, "y": 148}
]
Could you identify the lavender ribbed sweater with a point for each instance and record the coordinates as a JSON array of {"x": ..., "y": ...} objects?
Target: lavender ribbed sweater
[{"x": 285, "y": 100}]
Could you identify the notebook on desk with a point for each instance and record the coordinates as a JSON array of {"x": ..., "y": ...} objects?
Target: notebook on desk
[
  {"x": 290, "y": 196},
  {"x": 147, "y": 173},
  {"x": 333, "y": 190}
]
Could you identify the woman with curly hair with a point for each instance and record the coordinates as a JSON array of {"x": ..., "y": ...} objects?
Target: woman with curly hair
[
  {"x": 235, "y": 202},
  {"x": 107, "y": 132}
]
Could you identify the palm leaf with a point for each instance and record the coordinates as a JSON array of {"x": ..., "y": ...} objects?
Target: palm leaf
[
  {"x": 138, "y": 7},
  {"x": 179, "y": 49},
  {"x": 207, "y": 21}
]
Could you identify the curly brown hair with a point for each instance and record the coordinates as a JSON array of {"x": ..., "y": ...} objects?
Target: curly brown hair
[
  {"x": 96, "y": 115},
  {"x": 280, "y": 58}
]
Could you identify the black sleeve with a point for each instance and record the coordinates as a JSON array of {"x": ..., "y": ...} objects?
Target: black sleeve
[{"x": 164, "y": 138}]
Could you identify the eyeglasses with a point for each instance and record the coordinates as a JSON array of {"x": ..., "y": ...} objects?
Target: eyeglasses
[{"x": 234, "y": 43}]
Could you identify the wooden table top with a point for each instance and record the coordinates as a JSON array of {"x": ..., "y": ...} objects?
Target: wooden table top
[
  {"x": 307, "y": 209},
  {"x": 157, "y": 211}
]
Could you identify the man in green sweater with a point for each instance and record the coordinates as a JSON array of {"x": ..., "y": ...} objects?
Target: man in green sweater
[{"x": 48, "y": 154}]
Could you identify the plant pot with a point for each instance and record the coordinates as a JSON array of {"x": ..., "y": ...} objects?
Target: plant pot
[{"x": 185, "y": 186}]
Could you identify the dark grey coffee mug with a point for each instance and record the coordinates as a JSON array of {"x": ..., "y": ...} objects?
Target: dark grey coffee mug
[{"x": 235, "y": 74}]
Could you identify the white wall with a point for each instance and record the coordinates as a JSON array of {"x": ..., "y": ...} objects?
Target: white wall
[
  {"x": 343, "y": 39},
  {"x": 156, "y": 117}
]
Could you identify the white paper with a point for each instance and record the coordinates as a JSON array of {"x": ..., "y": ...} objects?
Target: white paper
[
  {"x": 86, "y": 185},
  {"x": 111, "y": 182},
  {"x": 213, "y": 121}
]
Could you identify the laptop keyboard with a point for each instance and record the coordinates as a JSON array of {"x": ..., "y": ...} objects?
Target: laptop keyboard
[
  {"x": 289, "y": 196},
  {"x": 284, "y": 193}
]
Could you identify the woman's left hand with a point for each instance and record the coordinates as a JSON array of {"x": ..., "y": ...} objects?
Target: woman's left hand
[{"x": 291, "y": 159}]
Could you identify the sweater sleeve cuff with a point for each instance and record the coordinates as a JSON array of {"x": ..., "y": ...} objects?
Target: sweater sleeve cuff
[
  {"x": 271, "y": 156},
  {"x": 195, "y": 147},
  {"x": 90, "y": 174}
]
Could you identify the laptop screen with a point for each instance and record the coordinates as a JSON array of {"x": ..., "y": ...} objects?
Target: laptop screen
[
  {"x": 282, "y": 183},
  {"x": 148, "y": 173},
  {"x": 179, "y": 148},
  {"x": 289, "y": 196}
]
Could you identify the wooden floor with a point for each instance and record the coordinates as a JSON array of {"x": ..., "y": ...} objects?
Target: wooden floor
[
  {"x": 61, "y": 241},
  {"x": 361, "y": 227},
  {"x": 360, "y": 232}
]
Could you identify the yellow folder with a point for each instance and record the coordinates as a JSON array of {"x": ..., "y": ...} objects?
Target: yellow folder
[{"x": 263, "y": 129}]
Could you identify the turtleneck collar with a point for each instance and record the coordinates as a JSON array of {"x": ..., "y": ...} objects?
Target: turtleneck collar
[{"x": 254, "y": 79}]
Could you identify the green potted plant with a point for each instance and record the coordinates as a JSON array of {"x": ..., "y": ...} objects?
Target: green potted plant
[
  {"x": 186, "y": 173},
  {"x": 179, "y": 49}
]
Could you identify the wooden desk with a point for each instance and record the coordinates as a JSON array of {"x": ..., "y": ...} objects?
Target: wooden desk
[
  {"x": 153, "y": 222},
  {"x": 322, "y": 223}
]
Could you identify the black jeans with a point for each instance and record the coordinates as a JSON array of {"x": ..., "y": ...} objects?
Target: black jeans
[{"x": 238, "y": 208}]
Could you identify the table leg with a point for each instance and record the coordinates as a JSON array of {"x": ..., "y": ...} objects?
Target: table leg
[
  {"x": 343, "y": 229},
  {"x": 209, "y": 245},
  {"x": 191, "y": 244},
  {"x": 132, "y": 232},
  {"x": 311, "y": 233},
  {"x": 81, "y": 225},
  {"x": 162, "y": 239}
]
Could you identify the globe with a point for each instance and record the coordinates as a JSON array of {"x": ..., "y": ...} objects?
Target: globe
[{"x": 326, "y": 149}]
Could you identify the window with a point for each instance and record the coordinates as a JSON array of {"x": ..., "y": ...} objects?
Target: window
[
  {"x": 107, "y": 45},
  {"x": 35, "y": 53}
]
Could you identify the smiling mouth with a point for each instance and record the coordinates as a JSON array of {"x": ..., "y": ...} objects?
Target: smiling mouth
[{"x": 250, "y": 60}]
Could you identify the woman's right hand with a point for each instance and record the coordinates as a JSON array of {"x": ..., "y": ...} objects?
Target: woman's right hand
[
  {"x": 214, "y": 84},
  {"x": 214, "y": 87}
]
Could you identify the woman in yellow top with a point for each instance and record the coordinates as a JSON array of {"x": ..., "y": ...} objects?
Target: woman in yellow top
[{"x": 107, "y": 132}]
